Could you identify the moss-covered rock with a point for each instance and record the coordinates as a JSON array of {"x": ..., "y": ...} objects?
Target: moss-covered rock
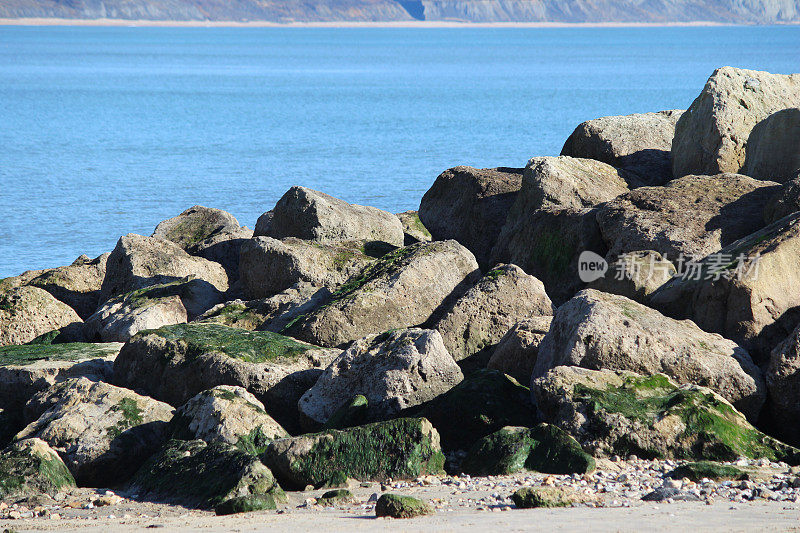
[
  {"x": 696, "y": 471},
  {"x": 27, "y": 312},
  {"x": 29, "y": 467},
  {"x": 353, "y": 413},
  {"x": 199, "y": 474},
  {"x": 246, "y": 504},
  {"x": 404, "y": 448},
  {"x": 397, "y": 506},
  {"x": 543, "y": 448},
  {"x": 533, "y": 497},
  {"x": 413, "y": 229},
  {"x": 336, "y": 497}
]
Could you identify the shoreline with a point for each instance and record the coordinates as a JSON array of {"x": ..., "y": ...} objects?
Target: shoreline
[{"x": 353, "y": 24}]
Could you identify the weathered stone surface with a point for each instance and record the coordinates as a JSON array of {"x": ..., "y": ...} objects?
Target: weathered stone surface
[
  {"x": 199, "y": 474},
  {"x": 404, "y": 448},
  {"x": 103, "y": 433},
  {"x": 535, "y": 497},
  {"x": 413, "y": 228},
  {"x": 174, "y": 363},
  {"x": 196, "y": 224},
  {"x": 697, "y": 470},
  {"x": 77, "y": 285},
  {"x": 263, "y": 225},
  {"x": 139, "y": 262},
  {"x": 639, "y": 143},
  {"x": 773, "y": 148},
  {"x": 226, "y": 414},
  {"x": 714, "y": 134},
  {"x": 268, "y": 266},
  {"x": 398, "y": 506},
  {"x": 27, "y": 312},
  {"x": 785, "y": 202},
  {"x": 783, "y": 386},
  {"x": 393, "y": 370},
  {"x": 754, "y": 301},
  {"x": 480, "y": 318},
  {"x": 636, "y": 275},
  {"x": 617, "y": 412},
  {"x": 401, "y": 289},
  {"x": 30, "y": 467},
  {"x": 470, "y": 205},
  {"x": 603, "y": 331},
  {"x": 543, "y": 448},
  {"x": 693, "y": 215},
  {"x": 224, "y": 248},
  {"x": 311, "y": 215},
  {"x": 517, "y": 351}
]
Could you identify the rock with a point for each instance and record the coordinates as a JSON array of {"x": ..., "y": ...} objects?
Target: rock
[
  {"x": 636, "y": 275},
  {"x": 138, "y": 262},
  {"x": 226, "y": 414},
  {"x": 176, "y": 302},
  {"x": 264, "y": 225},
  {"x": 602, "y": 331},
  {"x": 27, "y": 312},
  {"x": 336, "y": 498},
  {"x": 30, "y": 467},
  {"x": 196, "y": 224},
  {"x": 662, "y": 494},
  {"x": 353, "y": 413},
  {"x": 783, "y": 386},
  {"x": 713, "y": 135},
  {"x": 517, "y": 351},
  {"x": 639, "y": 143},
  {"x": 77, "y": 285},
  {"x": 223, "y": 248},
  {"x": 401, "y": 289},
  {"x": 785, "y": 202},
  {"x": 773, "y": 151},
  {"x": 693, "y": 216},
  {"x": 470, "y": 206},
  {"x": 480, "y": 318},
  {"x": 174, "y": 363},
  {"x": 246, "y": 504},
  {"x": 623, "y": 413},
  {"x": 696, "y": 471},
  {"x": 269, "y": 266},
  {"x": 10, "y": 424},
  {"x": 397, "y": 506},
  {"x": 199, "y": 474},
  {"x": 394, "y": 370},
  {"x": 543, "y": 448},
  {"x": 413, "y": 229},
  {"x": 403, "y": 448},
  {"x": 534, "y": 497},
  {"x": 103, "y": 433},
  {"x": 483, "y": 403},
  {"x": 753, "y": 300},
  {"x": 314, "y": 216}
]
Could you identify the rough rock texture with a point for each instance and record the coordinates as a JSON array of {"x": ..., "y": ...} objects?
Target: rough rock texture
[
  {"x": 754, "y": 301},
  {"x": 226, "y": 414},
  {"x": 783, "y": 387},
  {"x": 77, "y": 285},
  {"x": 401, "y": 289},
  {"x": 224, "y": 248},
  {"x": 636, "y": 275},
  {"x": 517, "y": 351},
  {"x": 693, "y": 215},
  {"x": 543, "y": 448},
  {"x": 697, "y": 470},
  {"x": 413, "y": 228},
  {"x": 315, "y": 216},
  {"x": 263, "y": 225},
  {"x": 480, "y": 318},
  {"x": 625, "y": 413},
  {"x": 102, "y": 432},
  {"x": 470, "y": 205},
  {"x": 547, "y": 497},
  {"x": 196, "y": 224},
  {"x": 785, "y": 202},
  {"x": 773, "y": 149},
  {"x": 268, "y": 266},
  {"x": 398, "y": 506},
  {"x": 734, "y": 107},
  {"x": 27, "y": 312},
  {"x": 174, "y": 363},
  {"x": 603, "y": 331},
  {"x": 404, "y": 448},
  {"x": 139, "y": 262},
  {"x": 393, "y": 370},
  {"x": 246, "y": 504},
  {"x": 199, "y": 474},
  {"x": 29, "y": 468},
  {"x": 639, "y": 143}
]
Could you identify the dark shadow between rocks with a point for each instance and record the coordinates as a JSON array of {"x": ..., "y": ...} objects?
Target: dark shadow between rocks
[{"x": 742, "y": 217}]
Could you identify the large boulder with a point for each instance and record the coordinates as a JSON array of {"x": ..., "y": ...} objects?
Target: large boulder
[
  {"x": 783, "y": 387},
  {"x": 225, "y": 249},
  {"x": 393, "y": 371},
  {"x": 623, "y": 413},
  {"x": 401, "y": 289},
  {"x": 714, "y": 134},
  {"x": 29, "y": 468},
  {"x": 404, "y": 448},
  {"x": 639, "y": 143},
  {"x": 268, "y": 266},
  {"x": 413, "y": 228},
  {"x": 773, "y": 149},
  {"x": 603, "y": 331},
  {"x": 480, "y": 318},
  {"x": 199, "y": 474},
  {"x": 27, "y": 312},
  {"x": 517, "y": 351},
  {"x": 636, "y": 275},
  {"x": 314, "y": 216},
  {"x": 194, "y": 225},
  {"x": 103, "y": 433},
  {"x": 785, "y": 201},
  {"x": 693, "y": 215},
  {"x": 174, "y": 363},
  {"x": 470, "y": 205},
  {"x": 139, "y": 262},
  {"x": 77, "y": 285}
]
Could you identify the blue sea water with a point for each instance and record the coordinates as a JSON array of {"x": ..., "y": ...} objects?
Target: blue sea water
[{"x": 106, "y": 131}]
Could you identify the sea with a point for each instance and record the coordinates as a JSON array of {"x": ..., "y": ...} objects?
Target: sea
[{"x": 108, "y": 130}]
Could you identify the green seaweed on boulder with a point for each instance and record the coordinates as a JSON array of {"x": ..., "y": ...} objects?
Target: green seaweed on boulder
[
  {"x": 534, "y": 497},
  {"x": 246, "y": 504},
  {"x": 335, "y": 497},
  {"x": 397, "y": 506},
  {"x": 26, "y": 354},
  {"x": 698, "y": 470},
  {"x": 30, "y": 467}
]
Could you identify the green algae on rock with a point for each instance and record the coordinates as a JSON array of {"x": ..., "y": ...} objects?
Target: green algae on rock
[
  {"x": 335, "y": 497},
  {"x": 26, "y": 354},
  {"x": 698, "y": 470},
  {"x": 397, "y": 506},
  {"x": 533, "y": 497},
  {"x": 30, "y": 467},
  {"x": 246, "y": 504},
  {"x": 353, "y": 413}
]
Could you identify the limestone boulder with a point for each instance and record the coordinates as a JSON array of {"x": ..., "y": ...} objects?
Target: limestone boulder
[
  {"x": 636, "y": 275},
  {"x": 194, "y": 225},
  {"x": 27, "y": 312},
  {"x": 77, "y": 285},
  {"x": 773, "y": 148},
  {"x": 517, "y": 351},
  {"x": 224, "y": 248},
  {"x": 30, "y": 468}
]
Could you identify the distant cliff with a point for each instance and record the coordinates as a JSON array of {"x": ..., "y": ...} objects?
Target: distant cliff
[{"x": 738, "y": 11}]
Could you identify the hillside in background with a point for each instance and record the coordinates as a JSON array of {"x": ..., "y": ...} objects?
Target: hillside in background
[{"x": 736, "y": 11}]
